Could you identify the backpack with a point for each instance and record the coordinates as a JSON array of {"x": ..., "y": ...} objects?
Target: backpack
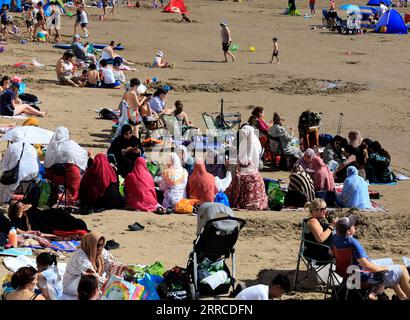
[
  {"x": 176, "y": 285},
  {"x": 108, "y": 114},
  {"x": 221, "y": 197},
  {"x": 307, "y": 119}
]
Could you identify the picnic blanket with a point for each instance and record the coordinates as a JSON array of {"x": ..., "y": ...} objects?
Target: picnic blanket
[
  {"x": 16, "y": 252},
  {"x": 15, "y": 263}
]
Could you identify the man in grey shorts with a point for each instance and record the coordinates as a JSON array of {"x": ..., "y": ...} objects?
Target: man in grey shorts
[{"x": 394, "y": 276}]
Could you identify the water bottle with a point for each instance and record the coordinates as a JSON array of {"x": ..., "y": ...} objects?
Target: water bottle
[{"x": 13, "y": 237}]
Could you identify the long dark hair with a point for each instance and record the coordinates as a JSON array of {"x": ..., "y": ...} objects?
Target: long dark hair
[
  {"x": 255, "y": 114},
  {"x": 5, "y": 78},
  {"x": 23, "y": 277},
  {"x": 376, "y": 147}
]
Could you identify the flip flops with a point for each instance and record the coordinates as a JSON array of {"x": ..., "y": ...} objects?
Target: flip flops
[
  {"x": 111, "y": 245},
  {"x": 136, "y": 227}
]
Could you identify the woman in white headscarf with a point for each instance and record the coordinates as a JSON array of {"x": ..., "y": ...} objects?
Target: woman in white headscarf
[
  {"x": 28, "y": 168},
  {"x": 63, "y": 151},
  {"x": 187, "y": 160},
  {"x": 247, "y": 190},
  {"x": 173, "y": 181}
]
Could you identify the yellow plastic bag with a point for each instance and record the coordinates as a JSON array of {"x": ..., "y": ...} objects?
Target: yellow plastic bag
[{"x": 185, "y": 205}]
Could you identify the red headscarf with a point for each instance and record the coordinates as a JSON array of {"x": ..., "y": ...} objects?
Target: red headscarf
[
  {"x": 96, "y": 179},
  {"x": 201, "y": 184},
  {"x": 322, "y": 177},
  {"x": 140, "y": 188}
]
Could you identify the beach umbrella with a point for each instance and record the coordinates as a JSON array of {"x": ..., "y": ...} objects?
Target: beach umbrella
[{"x": 33, "y": 135}]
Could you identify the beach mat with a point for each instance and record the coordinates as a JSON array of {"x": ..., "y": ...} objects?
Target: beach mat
[
  {"x": 67, "y": 46},
  {"x": 16, "y": 252}
]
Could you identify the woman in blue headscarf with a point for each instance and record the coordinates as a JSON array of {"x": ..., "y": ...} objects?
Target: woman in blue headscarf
[{"x": 355, "y": 192}]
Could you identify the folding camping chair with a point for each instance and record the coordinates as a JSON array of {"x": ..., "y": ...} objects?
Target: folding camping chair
[
  {"x": 216, "y": 241},
  {"x": 314, "y": 267},
  {"x": 176, "y": 130},
  {"x": 343, "y": 259}
]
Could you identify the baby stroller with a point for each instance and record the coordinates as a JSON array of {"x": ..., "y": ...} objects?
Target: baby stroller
[{"x": 217, "y": 233}]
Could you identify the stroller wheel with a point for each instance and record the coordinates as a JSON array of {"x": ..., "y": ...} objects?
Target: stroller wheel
[{"x": 194, "y": 295}]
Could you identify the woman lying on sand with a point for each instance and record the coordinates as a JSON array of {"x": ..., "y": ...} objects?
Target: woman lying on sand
[{"x": 11, "y": 105}]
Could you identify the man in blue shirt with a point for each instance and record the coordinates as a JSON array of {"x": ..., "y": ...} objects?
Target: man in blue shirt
[
  {"x": 80, "y": 51},
  {"x": 395, "y": 276}
]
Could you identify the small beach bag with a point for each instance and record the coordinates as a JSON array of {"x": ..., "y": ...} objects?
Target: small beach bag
[
  {"x": 185, "y": 206},
  {"x": 11, "y": 176},
  {"x": 221, "y": 197}
]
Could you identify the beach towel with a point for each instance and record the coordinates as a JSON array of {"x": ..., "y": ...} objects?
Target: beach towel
[
  {"x": 16, "y": 252},
  {"x": 15, "y": 263}
]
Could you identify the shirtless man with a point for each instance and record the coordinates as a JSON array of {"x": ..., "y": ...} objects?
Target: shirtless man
[{"x": 65, "y": 70}]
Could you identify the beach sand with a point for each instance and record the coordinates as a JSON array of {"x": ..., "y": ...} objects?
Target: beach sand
[{"x": 372, "y": 92}]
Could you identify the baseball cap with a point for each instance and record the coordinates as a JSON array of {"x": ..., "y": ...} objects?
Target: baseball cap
[
  {"x": 345, "y": 223},
  {"x": 160, "y": 53},
  {"x": 223, "y": 23},
  {"x": 77, "y": 36}
]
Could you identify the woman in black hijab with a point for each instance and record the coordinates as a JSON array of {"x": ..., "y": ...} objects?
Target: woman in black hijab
[{"x": 126, "y": 148}]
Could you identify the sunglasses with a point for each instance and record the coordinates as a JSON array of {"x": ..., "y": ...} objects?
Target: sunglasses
[{"x": 322, "y": 209}]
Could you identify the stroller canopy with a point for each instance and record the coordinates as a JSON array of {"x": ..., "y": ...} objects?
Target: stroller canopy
[{"x": 211, "y": 210}]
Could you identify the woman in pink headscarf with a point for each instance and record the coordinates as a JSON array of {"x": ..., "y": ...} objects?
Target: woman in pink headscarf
[
  {"x": 322, "y": 177},
  {"x": 140, "y": 188},
  {"x": 201, "y": 184}
]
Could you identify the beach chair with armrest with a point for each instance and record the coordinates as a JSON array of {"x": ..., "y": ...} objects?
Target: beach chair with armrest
[
  {"x": 313, "y": 267},
  {"x": 176, "y": 129},
  {"x": 342, "y": 259}
]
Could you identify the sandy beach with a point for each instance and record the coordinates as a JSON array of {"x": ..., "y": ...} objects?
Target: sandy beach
[{"x": 373, "y": 92}]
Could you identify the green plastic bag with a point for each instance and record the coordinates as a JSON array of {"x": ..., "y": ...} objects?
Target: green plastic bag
[
  {"x": 121, "y": 188},
  {"x": 153, "y": 168},
  {"x": 45, "y": 194},
  {"x": 276, "y": 196}
]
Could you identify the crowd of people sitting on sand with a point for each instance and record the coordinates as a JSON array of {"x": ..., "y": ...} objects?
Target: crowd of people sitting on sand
[
  {"x": 335, "y": 174},
  {"x": 122, "y": 178}
]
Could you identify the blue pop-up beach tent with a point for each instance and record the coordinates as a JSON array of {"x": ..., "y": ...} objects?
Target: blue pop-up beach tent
[{"x": 393, "y": 21}]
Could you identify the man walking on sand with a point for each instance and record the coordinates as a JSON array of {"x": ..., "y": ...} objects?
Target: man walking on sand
[{"x": 226, "y": 41}]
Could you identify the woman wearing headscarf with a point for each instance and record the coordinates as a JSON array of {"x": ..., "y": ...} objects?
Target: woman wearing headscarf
[
  {"x": 201, "y": 184},
  {"x": 34, "y": 123},
  {"x": 126, "y": 148},
  {"x": 322, "y": 177},
  {"x": 139, "y": 188},
  {"x": 355, "y": 138},
  {"x": 355, "y": 192},
  {"x": 306, "y": 161},
  {"x": 91, "y": 258},
  {"x": 247, "y": 190},
  {"x": 99, "y": 186},
  {"x": 63, "y": 151},
  {"x": 301, "y": 188},
  {"x": 215, "y": 164},
  {"x": 28, "y": 168},
  {"x": 278, "y": 131},
  {"x": 173, "y": 181},
  {"x": 187, "y": 160},
  {"x": 378, "y": 165}
]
